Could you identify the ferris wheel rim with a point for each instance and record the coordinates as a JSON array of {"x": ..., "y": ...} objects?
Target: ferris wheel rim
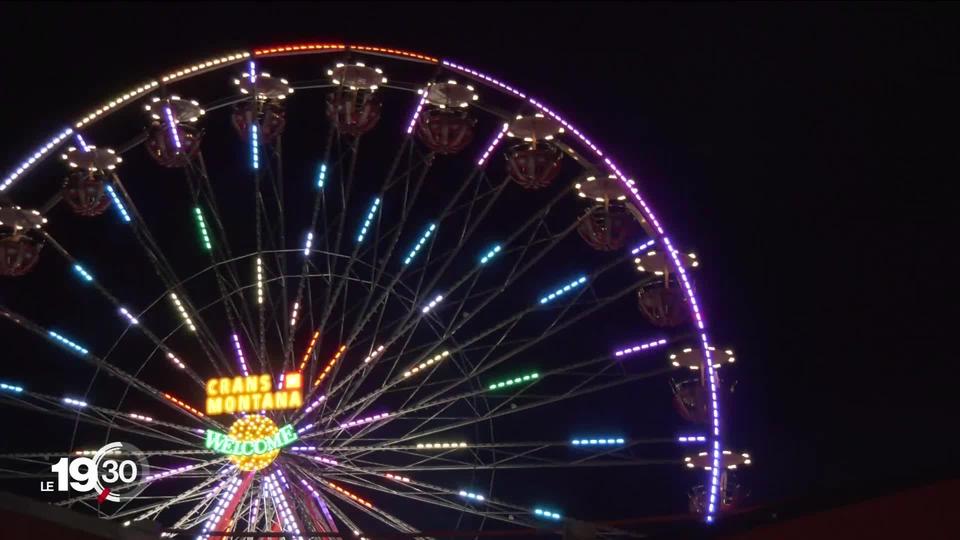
[{"x": 229, "y": 59}]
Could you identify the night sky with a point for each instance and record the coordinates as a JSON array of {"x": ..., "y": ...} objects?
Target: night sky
[{"x": 796, "y": 148}]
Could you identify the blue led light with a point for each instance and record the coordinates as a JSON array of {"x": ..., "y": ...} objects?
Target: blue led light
[
  {"x": 11, "y": 388},
  {"x": 308, "y": 244},
  {"x": 472, "y": 496},
  {"x": 423, "y": 240},
  {"x": 38, "y": 154},
  {"x": 74, "y": 402},
  {"x": 82, "y": 272},
  {"x": 369, "y": 219},
  {"x": 563, "y": 290},
  {"x": 254, "y": 146},
  {"x": 546, "y": 514},
  {"x": 70, "y": 344},
  {"x": 490, "y": 254},
  {"x": 605, "y": 441},
  {"x": 322, "y": 175},
  {"x": 116, "y": 202}
]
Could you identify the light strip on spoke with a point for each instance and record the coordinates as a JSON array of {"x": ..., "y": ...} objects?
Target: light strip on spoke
[
  {"x": 118, "y": 203},
  {"x": 183, "y": 312}
]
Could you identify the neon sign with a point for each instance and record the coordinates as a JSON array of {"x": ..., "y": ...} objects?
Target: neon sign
[
  {"x": 229, "y": 395},
  {"x": 225, "y": 444}
]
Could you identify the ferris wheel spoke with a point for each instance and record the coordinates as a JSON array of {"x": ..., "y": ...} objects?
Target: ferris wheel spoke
[
  {"x": 392, "y": 239},
  {"x": 219, "y": 252},
  {"x": 515, "y": 274},
  {"x": 434, "y": 495},
  {"x": 204, "y": 504},
  {"x": 107, "y": 417},
  {"x": 363, "y": 402},
  {"x": 385, "y": 296},
  {"x": 226, "y": 260},
  {"x": 172, "y": 283},
  {"x": 95, "y": 361},
  {"x": 130, "y": 316},
  {"x": 520, "y": 408}
]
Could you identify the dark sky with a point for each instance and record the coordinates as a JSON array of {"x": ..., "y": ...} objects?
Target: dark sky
[{"x": 795, "y": 147}]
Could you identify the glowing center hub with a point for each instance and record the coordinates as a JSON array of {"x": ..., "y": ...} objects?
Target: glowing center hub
[{"x": 252, "y": 443}]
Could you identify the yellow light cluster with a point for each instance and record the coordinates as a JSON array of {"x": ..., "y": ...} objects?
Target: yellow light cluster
[
  {"x": 223, "y": 60},
  {"x": 252, "y": 428},
  {"x": 425, "y": 365}
]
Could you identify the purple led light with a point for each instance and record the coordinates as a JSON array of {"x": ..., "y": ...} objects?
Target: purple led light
[
  {"x": 229, "y": 490},
  {"x": 313, "y": 405},
  {"x": 253, "y": 72},
  {"x": 82, "y": 143},
  {"x": 240, "y": 358},
  {"x": 684, "y": 279},
  {"x": 172, "y": 126},
  {"x": 642, "y": 246},
  {"x": 280, "y": 502},
  {"x": 173, "y": 472},
  {"x": 416, "y": 113},
  {"x": 691, "y": 438},
  {"x": 484, "y": 77},
  {"x": 493, "y": 144},
  {"x": 641, "y": 347}
]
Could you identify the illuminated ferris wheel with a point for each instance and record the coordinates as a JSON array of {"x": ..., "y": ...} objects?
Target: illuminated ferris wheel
[{"x": 381, "y": 293}]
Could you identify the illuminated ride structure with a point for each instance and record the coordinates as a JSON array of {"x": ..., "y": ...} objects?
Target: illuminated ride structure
[{"x": 383, "y": 293}]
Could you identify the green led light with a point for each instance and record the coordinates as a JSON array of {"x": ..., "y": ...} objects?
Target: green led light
[
  {"x": 513, "y": 381},
  {"x": 202, "y": 225}
]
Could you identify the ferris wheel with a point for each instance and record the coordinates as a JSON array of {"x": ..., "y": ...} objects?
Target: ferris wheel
[{"x": 331, "y": 288}]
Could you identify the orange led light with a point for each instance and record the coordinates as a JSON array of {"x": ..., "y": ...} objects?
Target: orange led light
[
  {"x": 330, "y": 365},
  {"x": 306, "y": 355},
  {"x": 353, "y": 497},
  {"x": 183, "y": 405},
  {"x": 301, "y": 47},
  {"x": 396, "y": 52}
]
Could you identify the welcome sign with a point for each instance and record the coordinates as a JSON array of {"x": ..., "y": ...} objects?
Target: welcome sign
[{"x": 225, "y": 444}]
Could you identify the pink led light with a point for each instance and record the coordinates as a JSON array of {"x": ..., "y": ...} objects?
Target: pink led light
[
  {"x": 397, "y": 477},
  {"x": 684, "y": 279},
  {"x": 641, "y": 347},
  {"x": 172, "y": 126},
  {"x": 322, "y": 459},
  {"x": 493, "y": 144},
  {"x": 361, "y": 421},
  {"x": 240, "y": 358},
  {"x": 416, "y": 113}
]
